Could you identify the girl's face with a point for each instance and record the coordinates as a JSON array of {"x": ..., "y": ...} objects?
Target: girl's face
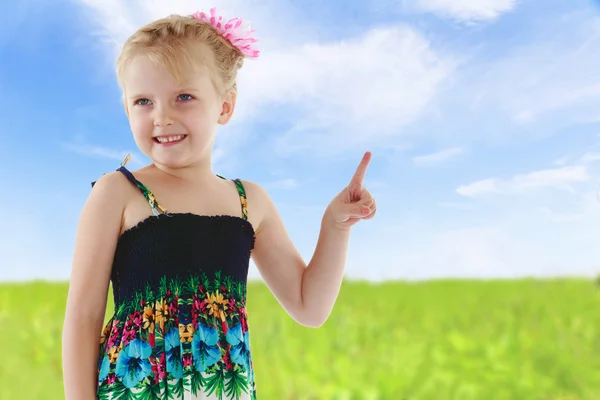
[{"x": 173, "y": 125}]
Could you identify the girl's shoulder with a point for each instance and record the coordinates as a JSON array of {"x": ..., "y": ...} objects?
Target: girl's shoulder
[
  {"x": 259, "y": 201},
  {"x": 111, "y": 184}
]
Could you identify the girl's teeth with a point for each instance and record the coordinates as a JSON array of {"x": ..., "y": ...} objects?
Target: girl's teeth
[{"x": 169, "y": 139}]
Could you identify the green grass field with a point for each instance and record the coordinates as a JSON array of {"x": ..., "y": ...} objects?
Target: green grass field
[{"x": 438, "y": 340}]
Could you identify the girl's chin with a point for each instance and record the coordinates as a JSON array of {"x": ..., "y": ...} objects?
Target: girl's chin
[{"x": 174, "y": 161}]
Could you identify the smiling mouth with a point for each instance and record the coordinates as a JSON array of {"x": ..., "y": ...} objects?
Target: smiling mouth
[{"x": 169, "y": 139}]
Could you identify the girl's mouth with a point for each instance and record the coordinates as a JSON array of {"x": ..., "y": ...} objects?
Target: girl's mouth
[{"x": 169, "y": 139}]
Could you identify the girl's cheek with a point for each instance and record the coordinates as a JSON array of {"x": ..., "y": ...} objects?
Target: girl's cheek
[
  {"x": 138, "y": 126},
  {"x": 140, "y": 118}
]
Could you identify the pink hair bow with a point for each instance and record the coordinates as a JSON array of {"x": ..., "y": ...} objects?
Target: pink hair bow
[{"x": 231, "y": 30}]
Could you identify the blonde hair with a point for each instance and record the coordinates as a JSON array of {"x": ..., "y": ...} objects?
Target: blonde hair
[{"x": 171, "y": 41}]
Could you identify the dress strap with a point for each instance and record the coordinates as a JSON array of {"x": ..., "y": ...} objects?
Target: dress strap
[
  {"x": 242, "y": 193},
  {"x": 157, "y": 209}
]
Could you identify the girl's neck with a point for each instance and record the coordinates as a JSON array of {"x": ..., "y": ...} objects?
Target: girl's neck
[{"x": 192, "y": 173}]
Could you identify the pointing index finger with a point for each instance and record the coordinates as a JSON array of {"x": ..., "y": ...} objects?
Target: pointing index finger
[{"x": 361, "y": 171}]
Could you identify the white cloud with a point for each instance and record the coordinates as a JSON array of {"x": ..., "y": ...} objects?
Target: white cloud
[
  {"x": 555, "y": 70},
  {"x": 560, "y": 216},
  {"x": 468, "y": 10},
  {"x": 590, "y": 157},
  {"x": 524, "y": 116},
  {"x": 479, "y": 188},
  {"x": 99, "y": 151},
  {"x": 350, "y": 94},
  {"x": 558, "y": 178},
  {"x": 437, "y": 157},
  {"x": 561, "y": 161}
]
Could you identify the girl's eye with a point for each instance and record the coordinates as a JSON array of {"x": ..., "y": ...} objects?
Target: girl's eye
[
  {"x": 185, "y": 97},
  {"x": 142, "y": 102}
]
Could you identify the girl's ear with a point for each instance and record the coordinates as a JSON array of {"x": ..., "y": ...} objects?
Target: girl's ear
[{"x": 227, "y": 107}]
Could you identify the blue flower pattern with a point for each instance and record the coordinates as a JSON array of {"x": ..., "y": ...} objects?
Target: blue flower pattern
[
  {"x": 133, "y": 364},
  {"x": 240, "y": 350},
  {"x": 173, "y": 353},
  {"x": 205, "y": 350}
]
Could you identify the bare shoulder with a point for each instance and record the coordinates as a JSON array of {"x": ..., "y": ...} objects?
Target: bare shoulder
[
  {"x": 110, "y": 184},
  {"x": 260, "y": 203},
  {"x": 114, "y": 188},
  {"x": 110, "y": 191}
]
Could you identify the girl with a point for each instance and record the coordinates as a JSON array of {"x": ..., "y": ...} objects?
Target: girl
[{"x": 175, "y": 239}]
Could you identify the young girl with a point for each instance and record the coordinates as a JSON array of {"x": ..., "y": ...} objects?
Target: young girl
[{"x": 175, "y": 239}]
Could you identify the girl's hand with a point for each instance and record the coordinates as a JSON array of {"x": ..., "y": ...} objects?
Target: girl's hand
[{"x": 354, "y": 203}]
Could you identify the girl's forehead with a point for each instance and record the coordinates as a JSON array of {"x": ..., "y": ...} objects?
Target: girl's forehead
[{"x": 143, "y": 71}]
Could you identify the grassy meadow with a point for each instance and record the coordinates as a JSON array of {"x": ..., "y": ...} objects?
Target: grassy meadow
[{"x": 437, "y": 340}]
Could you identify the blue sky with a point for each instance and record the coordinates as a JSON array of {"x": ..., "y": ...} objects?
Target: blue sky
[{"x": 483, "y": 119}]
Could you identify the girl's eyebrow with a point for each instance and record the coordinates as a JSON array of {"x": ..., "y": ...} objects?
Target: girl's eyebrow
[
  {"x": 189, "y": 89},
  {"x": 180, "y": 90},
  {"x": 136, "y": 96}
]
